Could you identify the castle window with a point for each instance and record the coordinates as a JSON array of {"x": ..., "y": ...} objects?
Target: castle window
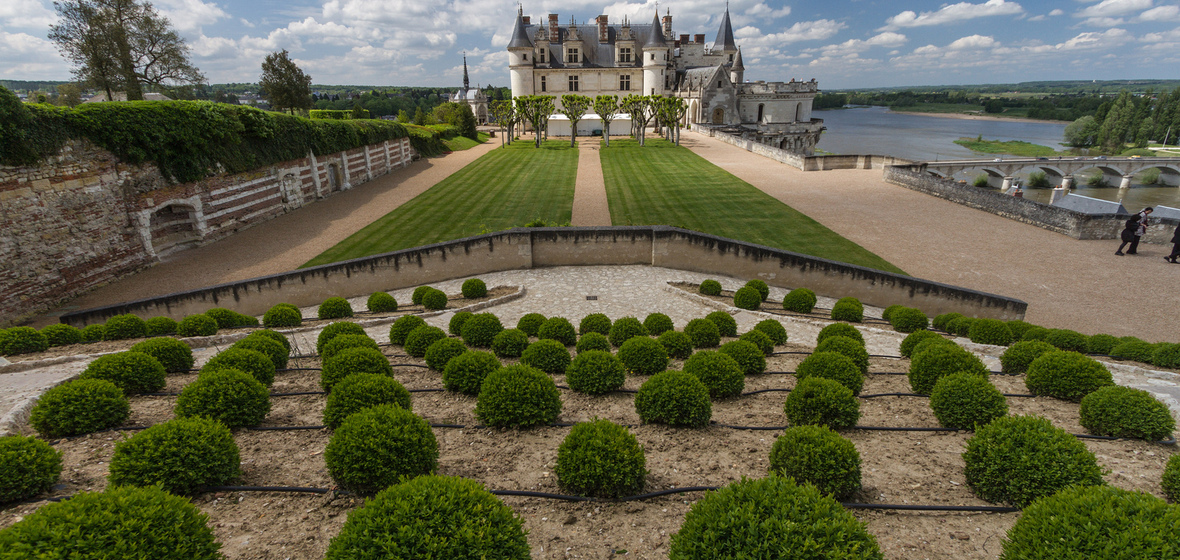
[
  {"x": 571, "y": 55},
  {"x": 542, "y": 83},
  {"x": 541, "y": 55},
  {"x": 731, "y": 58},
  {"x": 625, "y": 82},
  {"x": 625, "y": 54},
  {"x": 573, "y": 83}
]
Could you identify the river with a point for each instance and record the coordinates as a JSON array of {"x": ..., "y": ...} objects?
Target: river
[{"x": 877, "y": 130}]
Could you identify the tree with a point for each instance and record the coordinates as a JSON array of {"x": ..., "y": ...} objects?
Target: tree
[
  {"x": 535, "y": 109},
  {"x": 1117, "y": 125},
  {"x": 504, "y": 113},
  {"x": 574, "y": 107},
  {"x": 69, "y": 95},
  {"x": 1082, "y": 133},
  {"x": 286, "y": 86},
  {"x": 671, "y": 110},
  {"x": 607, "y": 106}
]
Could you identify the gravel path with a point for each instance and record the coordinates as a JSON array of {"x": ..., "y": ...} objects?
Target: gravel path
[{"x": 590, "y": 203}]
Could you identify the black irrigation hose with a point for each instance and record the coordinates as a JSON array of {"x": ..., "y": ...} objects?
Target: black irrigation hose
[
  {"x": 298, "y": 369},
  {"x": 272, "y": 394},
  {"x": 875, "y": 395},
  {"x": 283, "y": 428},
  {"x": 292, "y": 489},
  {"x": 788, "y": 352},
  {"x": 546, "y": 495},
  {"x": 887, "y": 356},
  {"x": 411, "y": 365},
  {"x": 425, "y": 390},
  {"x": 908, "y": 507},
  {"x": 765, "y": 391}
]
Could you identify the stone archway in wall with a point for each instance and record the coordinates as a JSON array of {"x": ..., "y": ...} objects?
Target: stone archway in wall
[
  {"x": 718, "y": 115},
  {"x": 334, "y": 179},
  {"x": 173, "y": 226}
]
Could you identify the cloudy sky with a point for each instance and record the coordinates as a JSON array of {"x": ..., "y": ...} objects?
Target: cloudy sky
[{"x": 842, "y": 43}]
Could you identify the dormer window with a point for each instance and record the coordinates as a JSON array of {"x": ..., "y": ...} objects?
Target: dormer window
[
  {"x": 541, "y": 56},
  {"x": 572, "y": 56},
  {"x": 625, "y": 54}
]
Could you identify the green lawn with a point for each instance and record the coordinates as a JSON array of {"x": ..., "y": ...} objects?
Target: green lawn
[
  {"x": 1011, "y": 147},
  {"x": 669, "y": 185},
  {"x": 503, "y": 188},
  {"x": 460, "y": 143}
]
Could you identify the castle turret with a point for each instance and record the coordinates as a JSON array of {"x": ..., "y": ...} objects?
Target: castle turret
[
  {"x": 725, "y": 43},
  {"x": 466, "y": 81},
  {"x": 520, "y": 60},
  {"x": 737, "y": 71},
  {"x": 655, "y": 59}
]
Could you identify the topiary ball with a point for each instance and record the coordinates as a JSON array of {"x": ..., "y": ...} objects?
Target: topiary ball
[
  {"x": 1018, "y": 356},
  {"x": 549, "y": 356},
  {"x": 1035, "y": 333},
  {"x": 799, "y": 300},
  {"x": 1018, "y": 328},
  {"x": 710, "y": 288},
  {"x": 434, "y": 299},
  {"x": 272, "y": 335},
  {"x": 961, "y": 326},
  {"x": 600, "y": 459},
  {"x": 23, "y": 340},
  {"x": 122, "y": 522},
  {"x": 353, "y": 360},
  {"x": 1018, "y": 459},
  {"x": 834, "y": 366},
  {"x": 625, "y": 329},
  {"x": 643, "y": 356},
  {"x": 181, "y": 455},
  {"x": 748, "y": 355},
  {"x": 822, "y": 402},
  {"x": 1167, "y": 355},
  {"x": 772, "y": 517},
  {"x": 1068, "y": 340},
  {"x": 657, "y": 323},
  {"x": 763, "y": 289},
  {"x": 530, "y": 323},
  {"x": 595, "y": 372},
  {"x": 252, "y": 362},
  {"x": 360, "y": 391},
  {"x": 1101, "y": 344},
  {"x": 173, "y": 354},
  {"x": 29, "y": 466},
  {"x": 474, "y": 288},
  {"x": 121, "y": 327},
  {"x": 747, "y": 298},
  {"x": 1094, "y": 523},
  {"x": 480, "y": 330},
  {"x": 282, "y": 315},
  {"x": 229, "y": 319},
  {"x": 381, "y": 302},
  {"x": 914, "y": 338},
  {"x": 518, "y": 396},
  {"x": 229, "y": 396},
  {"x": 726, "y": 324},
  {"x": 334, "y": 308},
  {"x": 774, "y": 330},
  {"x": 675, "y": 398},
  {"x": 1171, "y": 479},
  {"x": 79, "y": 407},
  {"x": 703, "y": 333},
  {"x": 720, "y": 373},
  {"x": 848, "y": 309},
  {"x": 908, "y": 320},
  {"x": 816, "y": 455},
  {"x": 440, "y": 517},
  {"x": 95, "y": 333},
  {"x": 760, "y": 341},
  {"x": 593, "y": 341},
  {"x": 418, "y": 294},
  {"x": 401, "y": 328},
  {"x": 840, "y": 329},
  {"x": 941, "y": 321},
  {"x": 274, "y": 351},
  {"x": 421, "y": 338},
  {"x": 1124, "y": 412},
  {"x": 510, "y": 343},
  {"x": 376, "y": 447},
  {"x": 594, "y": 323},
  {"x": 455, "y": 325},
  {"x": 1135, "y": 350},
  {"x": 965, "y": 400},
  {"x": 849, "y": 347},
  {"x": 677, "y": 344},
  {"x": 887, "y": 313},
  {"x": 1066, "y": 375},
  {"x": 160, "y": 326},
  {"x": 133, "y": 372},
  {"x": 61, "y": 334},
  {"x": 197, "y": 325},
  {"x": 442, "y": 351},
  {"x": 938, "y": 360},
  {"x": 465, "y": 373},
  {"x": 559, "y": 329}
]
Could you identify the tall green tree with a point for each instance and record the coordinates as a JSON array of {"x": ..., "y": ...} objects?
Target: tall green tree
[
  {"x": 574, "y": 107},
  {"x": 504, "y": 113},
  {"x": 1117, "y": 125},
  {"x": 607, "y": 106},
  {"x": 1083, "y": 132},
  {"x": 287, "y": 87}
]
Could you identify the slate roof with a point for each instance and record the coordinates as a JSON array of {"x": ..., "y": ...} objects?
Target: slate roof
[{"x": 725, "y": 34}]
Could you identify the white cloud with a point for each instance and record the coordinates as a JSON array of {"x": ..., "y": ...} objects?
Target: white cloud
[
  {"x": 1104, "y": 22},
  {"x": 26, "y": 14},
  {"x": 1112, "y": 8},
  {"x": 1057, "y": 13},
  {"x": 973, "y": 42},
  {"x": 25, "y": 57},
  {"x": 1162, "y": 13},
  {"x": 888, "y": 40},
  {"x": 761, "y": 10},
  {"x": 190, "y": 15},
  {"x": 953, "y": 13}
]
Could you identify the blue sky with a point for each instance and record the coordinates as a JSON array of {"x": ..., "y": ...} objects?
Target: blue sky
[{"x": 841, "y": 43}]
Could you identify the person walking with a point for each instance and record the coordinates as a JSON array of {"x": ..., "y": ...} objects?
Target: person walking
[
  {"x": 1130, "y": 228},
  {"x": 1139, "y": 233},
  {"x": 1175, "y": 246}
]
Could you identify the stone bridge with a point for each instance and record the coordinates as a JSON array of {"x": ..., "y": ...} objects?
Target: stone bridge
[{"x": 1059, "y": 170}]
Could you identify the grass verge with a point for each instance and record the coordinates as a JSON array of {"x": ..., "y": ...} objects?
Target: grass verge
[
  {"x": 1010, "y": 147},
  {"x": 460, "y": 143}
]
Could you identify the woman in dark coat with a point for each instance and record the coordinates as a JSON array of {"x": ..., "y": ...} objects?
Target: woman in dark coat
[
  {"x": 1175, "y": 247},
  {"x": 1128, "y": 236}
]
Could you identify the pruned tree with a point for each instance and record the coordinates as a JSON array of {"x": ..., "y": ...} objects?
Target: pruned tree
[
  {"x": 287, "y": 87},
  {"x": 672, "y": 109},
  {"x": 535, "y": 109},
  {"x": 574, "y": 107},
  {"x": 630, "y": 105},
  {"x": 504, "y": 113},
  {"x": 643, "y": 109},
  {"x": 607, "y": 106}
]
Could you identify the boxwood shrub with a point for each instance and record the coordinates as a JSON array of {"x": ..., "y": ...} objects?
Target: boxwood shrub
[
  {"x": 1018, "y": 356},
  {"x": 595, "y": 372},
  {"x": 23, "y": 340},
  {"x": 530, "y": 323},
  {"x": 479, "y": 331},
  {"x": 334, "y": 308},
  {"x": 834, "y": 366},
  {"x": 908, "y": 320},
  {"x": 657, "y": 324},
  {"x": 600, "y": 459},
  {"x": 474, "y": 288},
  {"x": 229, "y": 319},
  {"x": 559, "y": 329},
  {"x": 1171, "y": 479},
  {"x": 710, "y": 288},
  {"x": 401, "y": 328},
  {"x": 272, "y": 335},
  {"x": 675, "y": 398},
  {"x": 940, "y": 321},
  {"x": 159, "y": 326},
  {"x": 1018, "y": 328},
  {"x": 799, "y": 300},
  {"x": 840, "y": 329},
  {"x": 624, "y": 329},
  {"x": 353, "y": 360},
  {"x": 763, "y": 289},
  {"x": 275, "y": 351},
  {"x": 760, "y": 341},
  {"x": 421, "y": 338},
  {"x": 990, "y": 331},
  {"x": 747, "y": 354},
  {"x": 29, "y": 466},
  {"x": 774, "y": 330},
  {"x": 720, "y": 373},
  {"x": 1167, "y": 355},
  {"x": 282, "y": 315},
  {"x": 61, "y": 334},
  {"x": 436, "y": 517},
  {"x": 703, "y": 333},
  {"x": 643, "y": 356},
  {"x": 180, "y": 455},
  {"x": 1035, "y": 333},
  {"x": 381, "y": 302},
  {"x": 195, "y": 325},
  {"x": 938, "y": 360},
  {"x": 1135, "y": 350},
  {"x": 726, "y": 324},
  {"x": 359, "y": 391},
  {"x": 765, "y": 518},
  {"x": 960, "y": 326},
  {"x": 819, "y": 456},
  {"x": 342, "y": 328},
  {"x": 253, "y": 362},
  {"x": 849, "y": 347},
  {"x": 434, "y": 299},
  {"x": 1068, "y": 340},
  {"x": 913, "y": 339},
  {"x": 1101, "y": 344},
  {"x": 418, "y": 294},
  {"x": 442, "y": 351},
  {"x": 79, "y": 407},
  {"x": 887, "y": 313},
  {"x": 518, "y": 396},
  {"x": 677, "y": 344},
  {"x": 455, "y": 325},
  {"x": 549, "y": 356},
  {"x": 465, "y": 373},
  {"x": 596, "y": 323},
  {"x": 593, "y": 341},
  {"x": 1018, "y": 459},
  {"x": 822, "y": 402},
  {"x": 1066, "y": 375},
  {"x": 848, "y": 309},
  {"x": 173, "y": 354},
  {"x": 964, "y": 400},
  {"x": 376, "y": 447},
  {"x": 95, "y": 333},
  {"x": 228, "y": 395},
  {"x": 133, "y": 372},
  {"x": 1124, "y": 412},
  {"x": 121, "y": 327},
  {"x": 747, "y": 298}
]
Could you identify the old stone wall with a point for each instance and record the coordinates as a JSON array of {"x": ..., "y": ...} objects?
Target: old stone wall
[
  {"x": 799, "y": 161},
  {"x": 82, "y": 219}
]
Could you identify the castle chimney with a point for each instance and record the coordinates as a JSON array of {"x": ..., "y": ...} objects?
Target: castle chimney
[
  {"x": 698, "y": 38},
  {"x": 684, "y": 38},
  {"x": 603, "y": 32},
  {"x": 526, "y": 20},
  {"x": 554, "y": 36},
  {"x": 668, "y": 25}
]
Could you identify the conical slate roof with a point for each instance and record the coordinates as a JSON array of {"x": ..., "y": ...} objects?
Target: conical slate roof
[
  {"x": 725, "y": 35},
  {"x": 737, "y": 63},
  {"x": 656, "y": 39},
  {"x": 520, "y": 38}
]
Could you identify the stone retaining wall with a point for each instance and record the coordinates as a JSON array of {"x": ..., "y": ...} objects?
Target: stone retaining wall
[{"x": 801, "y": 162}]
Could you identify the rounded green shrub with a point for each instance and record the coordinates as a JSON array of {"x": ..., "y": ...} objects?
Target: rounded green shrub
[
  {"x": 480, "y": 330},
  {"x": 281, "y": 316},
  {"x": 1124, "y": 412},
  {"x": 530, "y": 323},
  {"x": 253, "y": 362},
  {"x": 1018, "y": 328},
  {"x": 229, "y": 319},
  {"x": 421, "y": 338},
  {"x": 1094, "y": 523},
  {"x": 381, "y": 302},
  {"x": 435, "y": 517},
  {"x": 594, "y": 323},
  {"x": 677, "y": 344},
  {"x": 559, "y": 329},
  {"x": 940, "y": 322},
  {"x": 1171, "y": 479},
  {"x": 840, "y": 329},
  {"x": 442, "y": 351},
  {"x": 272, "y": 335},
  {"x": 848, "y": 309},
  {"x": 816, "y": 401},
  {"x": 964, "y": 400},
  {"x": 887, "y": 313},
  {"x": 913, "y": 339},
  {"x": 939, "y": 360},
  {"x": 625, "y": 329},
  {"x": 849, "y": 347},
  {"x": 722, "y": 375},
  {"x": 30, "y": 467},
  {"x": 518, "y": 396},
  {"x": 196, "y": 325},
  {"x": 1018, "y": 356},
  {"x": 774, "y": 330},
  {"x": 133, "y": 372},
  {"x": 657, "y": 324},
  {"x": 549, "y": 356},
  {"x": 1065, "y": 339},
  {"x": 1101, "y": 344},
  {"x": 173, "y": 354},
  {"x": 180, "y": 455},
  {"x": 819, "y": 456},
  {"x": 434, "y": 299},
  {"x": 726, "y": 324},
  {"x": 400, "y": 329},
  {"x": 593, "y": 341},
  {"x": 342, "y": 342},
  {"x": 675, "y": 398},
  {"x": 1035, "y": 333},
  {"x": 960, "y": 326},
  {"x": 747, "y": 298},
  {"x": 990, "y": 331},
  {"x": 1135, "y": 350},
  {"x": 643, "y": 356},
  {"x": 1066, "y": 375},
  {"x": 772, "y": 517},
  {"x": 334, "y": 308},
  {"x": 703, "y": 333},
  {"x": 95, "y": 333},
  {"x": 465, "y": 373},
  {"x": 1018, "y": 459},
  {"x": 23, "y": 340},
  {"x": 360, "y": 391},
  {"x": 763, "y": 289},
  {"x": 799, "y": 300},
  {"x": 760, "y": 341},
  {"x": 510, "y": 343},
  {"x": 158, "y": 326},
  {"x": 908, "y": 320},
  {"x": 455, "y": 325},
  {"x": 747, "y": 354},
  {"x": 79, "y": 407},
  {"x": 229, "y": 396},
  {"x": 595, "y": 372},
  {"x": 121, "y": 327},
  {"x": 276, "y": 352},
  {"x": 834, "y": 366},
  {"x": 601, "y": 459},
  {"x": 122, "y": 522},
  {"x": 710, "y": 288},
  {"x": 419, "y": 293},
  {"x": 353, "y": 360},
  {"x": 474, "y": 288},
  {"x": 1166, "y": 355},
  {"x": 930, "y": 343},
  {"x": 61, "y": 334},
  {"x": 375, "y": 447}
]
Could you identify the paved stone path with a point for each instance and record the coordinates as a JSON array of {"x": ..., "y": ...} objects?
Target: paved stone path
[{"x": 590, "y": 203}]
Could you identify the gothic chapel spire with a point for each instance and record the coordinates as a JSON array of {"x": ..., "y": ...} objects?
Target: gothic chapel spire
[
  {"x": 725, "y": 40},
  {"x": 466, "y": 82}
]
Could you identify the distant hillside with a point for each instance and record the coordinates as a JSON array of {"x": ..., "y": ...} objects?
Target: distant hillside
[{"x": 1063, "y": 86}]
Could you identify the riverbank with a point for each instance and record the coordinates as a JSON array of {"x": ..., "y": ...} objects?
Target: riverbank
[{"x": 980, "y": 117}]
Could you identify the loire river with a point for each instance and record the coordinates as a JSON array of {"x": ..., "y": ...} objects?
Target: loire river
[{"x": 877, "y": 130}]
